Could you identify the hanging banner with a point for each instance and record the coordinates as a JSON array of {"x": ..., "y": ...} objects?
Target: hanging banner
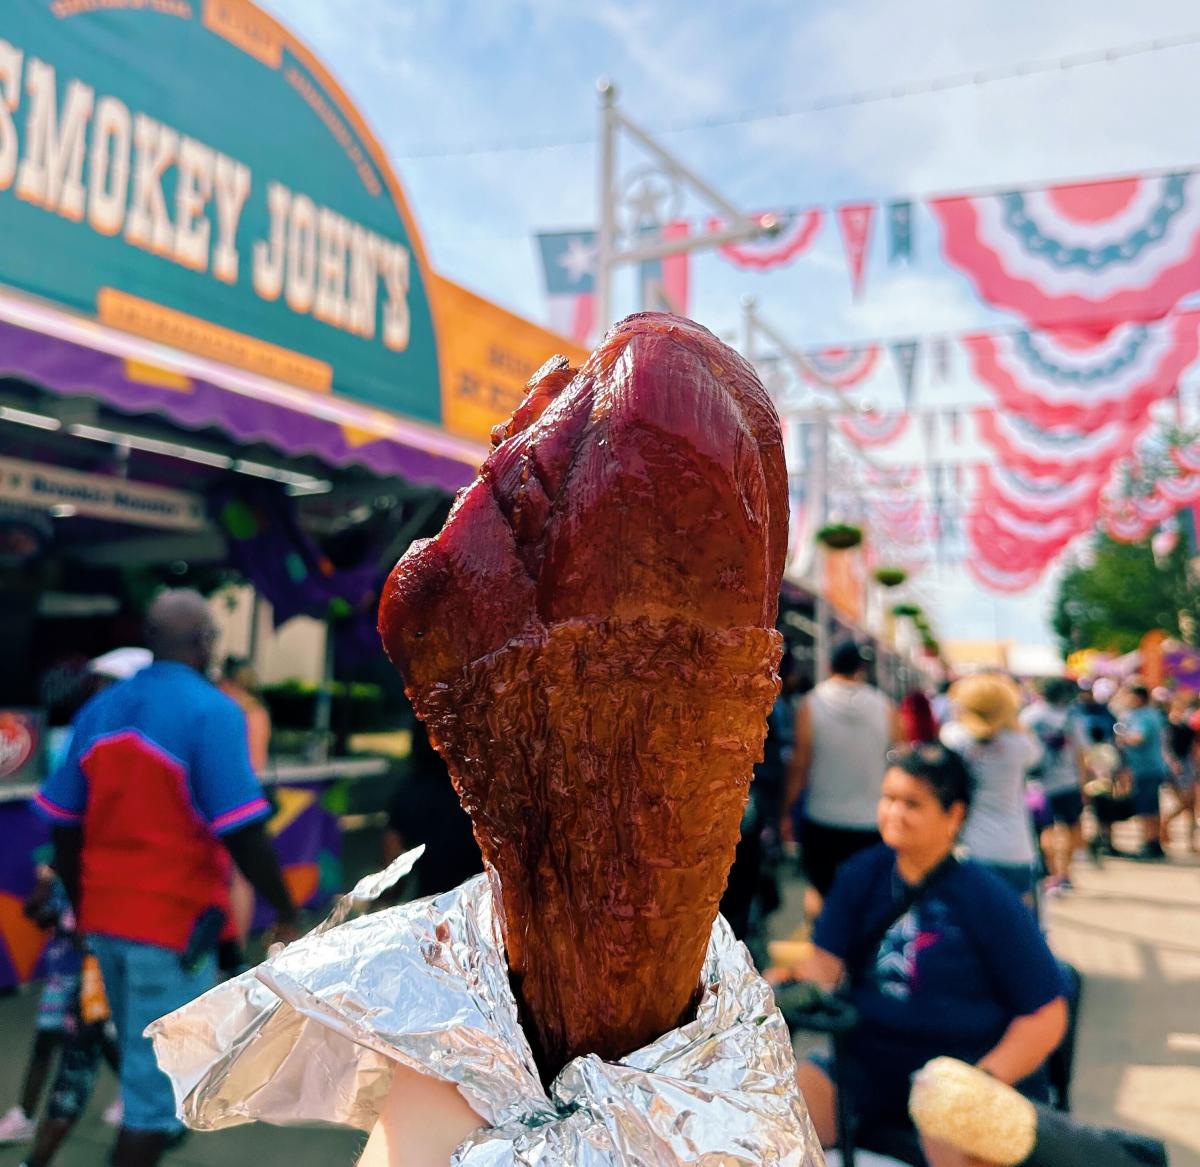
[
  {"x": 904, "y": 353},
  {"x": 1057, "y": 529},
  {"x": 797, "y": 231},
  {"x": 1081, "y": 255},
  {"x": 569, "y": 272},
  {"x": 999, "y": 579},
  {"x": 839, "y": 368},
  {"x": 1075, "y": 380},
  {"x": 1050, "y": 450},
  {"x": 872, "y": 427},
  {"x": 995, "y": 547},
  {"x": 854, "y": 219},
  {"x": 1187, "y": 457},
  {"x": 664, "y": 283},
  {"x": 1038, "y": 500},
  {"x": 900, "y": 232}
]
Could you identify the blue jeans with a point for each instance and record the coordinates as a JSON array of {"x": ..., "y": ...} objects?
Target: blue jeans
[{"x": 143, "y": 983}]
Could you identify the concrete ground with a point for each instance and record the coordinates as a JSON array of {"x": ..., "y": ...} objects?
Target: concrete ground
[{"x": 1132, "y": 929}]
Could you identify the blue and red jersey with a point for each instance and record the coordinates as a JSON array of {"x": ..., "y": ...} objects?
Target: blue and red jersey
[{"x": 157, "y": 770}]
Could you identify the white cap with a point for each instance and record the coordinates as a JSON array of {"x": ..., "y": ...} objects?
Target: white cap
[{"x": 121, "y": 663}]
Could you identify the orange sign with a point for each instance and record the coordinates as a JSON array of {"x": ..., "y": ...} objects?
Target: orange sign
[
  {"x": 845, "y": 584},
  {"x": 486, "y": 356}
]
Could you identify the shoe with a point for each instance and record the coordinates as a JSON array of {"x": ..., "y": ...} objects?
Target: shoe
[
  {"x": 16, "y": 1127},
  {"x": 114, "y": 1113},
  {"x": 1057, "y": 887},
  {"x": 1152, "y": 852}
]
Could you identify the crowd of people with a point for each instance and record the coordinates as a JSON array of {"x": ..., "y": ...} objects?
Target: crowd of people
[
  {"x": 928, "y": 833},
  {"x": 1043, "y": 761}
]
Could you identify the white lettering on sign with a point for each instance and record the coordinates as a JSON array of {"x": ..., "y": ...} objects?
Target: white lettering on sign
[
  {"x": 108, "y": 166},
  {"x": 51, "y": 171},
  {"x": 88, "y": 157},
  {"x": 233, "y": 188},
  {"x": 10, "y": 98},
  {"x": 326, "y": 265},
  {"x": 99, "y": 497}
]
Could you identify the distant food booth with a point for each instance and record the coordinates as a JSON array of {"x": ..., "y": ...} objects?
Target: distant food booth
[{"x": 222, "y": 350}]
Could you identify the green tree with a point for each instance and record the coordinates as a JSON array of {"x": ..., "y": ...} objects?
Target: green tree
[{"x": 1120, "y": 594}]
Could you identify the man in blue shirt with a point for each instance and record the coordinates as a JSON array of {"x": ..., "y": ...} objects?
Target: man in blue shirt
[
  {"x": 154, "y": 795},
  {"x": 1141, "y": 735}
]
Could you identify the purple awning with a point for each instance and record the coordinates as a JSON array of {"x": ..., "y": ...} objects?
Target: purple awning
[{"x": 75, "y": 357}]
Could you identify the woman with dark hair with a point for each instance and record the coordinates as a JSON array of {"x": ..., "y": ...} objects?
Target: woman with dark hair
[{"x": 939, "y": 957}]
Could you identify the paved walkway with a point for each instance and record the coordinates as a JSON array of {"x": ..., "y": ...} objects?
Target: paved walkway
[{"x": 1132, "y": 929}]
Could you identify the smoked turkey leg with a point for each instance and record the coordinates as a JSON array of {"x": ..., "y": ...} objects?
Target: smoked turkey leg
[{"x": 590, "y": 641}]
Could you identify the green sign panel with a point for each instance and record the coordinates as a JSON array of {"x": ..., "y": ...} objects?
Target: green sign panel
[{"x": 187, "y": 171}]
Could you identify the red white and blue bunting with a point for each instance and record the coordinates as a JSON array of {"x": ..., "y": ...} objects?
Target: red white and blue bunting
[
  {"x": 839, "y": 368},
  {"x": 1039, "y": 500},
  {"x": 1046, "y": 451},
  {"x": 1070, "y": 379},
  {"x": 1086, "y": 254},
  {"x": 1003, "y": 579},
  {"x": 871, "y": 428},
  {"x": 797, "y": 231}
]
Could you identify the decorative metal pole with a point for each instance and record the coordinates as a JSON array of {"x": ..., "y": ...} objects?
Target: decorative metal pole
[{"x": 606, "y": 236}]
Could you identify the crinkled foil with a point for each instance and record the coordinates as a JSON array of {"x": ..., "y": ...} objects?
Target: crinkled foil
[{"x": 312, "y": 1035}]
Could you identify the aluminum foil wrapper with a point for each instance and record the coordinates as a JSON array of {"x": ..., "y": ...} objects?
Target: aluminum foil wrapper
[{"x": 312, "y": 1034}]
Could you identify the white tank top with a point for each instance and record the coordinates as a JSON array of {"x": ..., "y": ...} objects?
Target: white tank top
[{"x": 851, "y": 732}]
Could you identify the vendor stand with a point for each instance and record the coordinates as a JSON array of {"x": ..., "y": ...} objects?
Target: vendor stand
[{"x": 221, "y": 350}]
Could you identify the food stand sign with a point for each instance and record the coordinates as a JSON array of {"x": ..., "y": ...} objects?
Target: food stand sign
[{"x": 186, "y": 170}]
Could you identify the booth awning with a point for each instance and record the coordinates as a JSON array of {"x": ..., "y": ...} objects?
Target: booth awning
[{"x": 71, "y": 356}]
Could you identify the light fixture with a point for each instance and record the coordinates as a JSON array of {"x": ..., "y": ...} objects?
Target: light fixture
[
  {"x": 296, "y": 482},
  {"x": 274, "y": 473},
  {"x": 25, "y": 417},
  {"x": 150, "y": 445},
  {"x": 62, "y": 510}
]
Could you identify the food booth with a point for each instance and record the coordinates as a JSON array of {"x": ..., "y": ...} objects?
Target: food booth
[{"x": 222, "y": 350}]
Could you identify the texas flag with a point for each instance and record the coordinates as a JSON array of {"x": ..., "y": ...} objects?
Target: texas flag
[{"x": 569, "y": 267}]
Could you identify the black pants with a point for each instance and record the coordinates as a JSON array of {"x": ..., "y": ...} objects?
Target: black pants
[{"x": 824, "y": 849}]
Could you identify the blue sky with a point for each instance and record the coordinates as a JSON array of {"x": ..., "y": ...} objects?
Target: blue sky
[{"x": 440, "y": 79}]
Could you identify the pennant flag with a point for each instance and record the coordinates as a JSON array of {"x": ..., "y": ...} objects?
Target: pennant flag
[
  {"x": 797, "y": 231},
  {"x": 664, "y": 282},
  {"x": 941, "y": 360},
  {"x": 904, "y": 353},
  {"x": 1064, "y": 378},
  {"x": 839, "y": 368},
  {"x": 855, "y": 222},
  {"x": 569, "y": 269},
  {"x": 900, "y": 232},
  {"x": 873, "y": 428},
  {"x": 1087, "y": 254}
]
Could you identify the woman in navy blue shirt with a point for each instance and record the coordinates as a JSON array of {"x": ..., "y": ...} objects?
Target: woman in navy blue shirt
[{"x": 963, "y": 971}]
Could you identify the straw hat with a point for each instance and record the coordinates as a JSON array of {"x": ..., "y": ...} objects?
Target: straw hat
[{"x": 986, "y": 704}]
